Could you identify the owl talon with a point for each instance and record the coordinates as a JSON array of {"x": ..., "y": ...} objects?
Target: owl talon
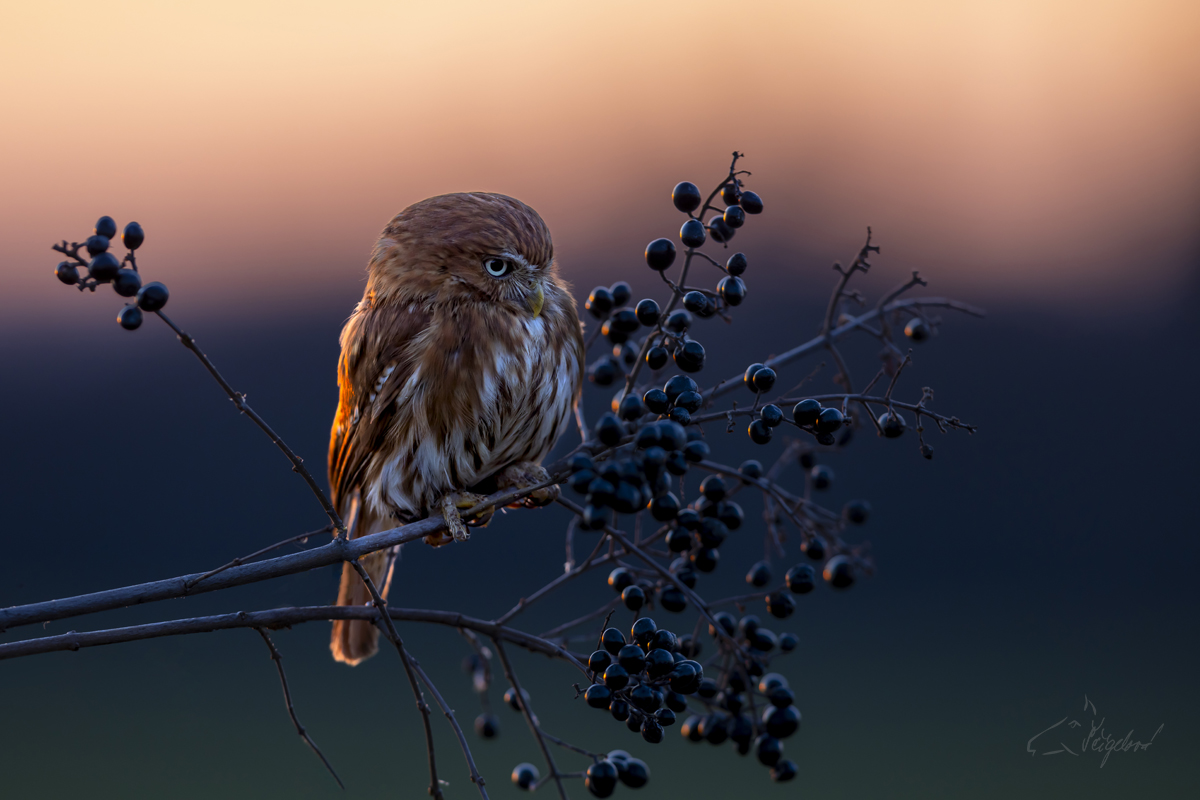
[
  {"x": 524, "y": 474},
  {"x": 451, "y": 504}
]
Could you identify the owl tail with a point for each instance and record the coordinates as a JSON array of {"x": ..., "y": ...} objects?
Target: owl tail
[{"x": 356, "y": 640}]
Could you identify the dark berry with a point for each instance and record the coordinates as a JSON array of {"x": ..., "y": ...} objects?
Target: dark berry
[
  {"x": 736, "y": 265},
  {"x": 764, "y": 379},
  {"x": 601, "y": 778},
  {"x": 686, "y": 197},
  {"x": 732, "y": 290},
  {"x": 892, "y": 423},
  {"x": 671, "y": 436},
  {"x": 696, "y": 302},
  {"x": 748, "y": 625},
  {"x": 800, "y": 578},
  {"x": 690, "y": 401},
  {"x": 719, "y": 231},
  {"x": 594, "y": 518},
  {"x": 665, "y": 717},
  {"x": 660, "y": 254},
  {"x": 708, "y": 689},
  {"x": 633, "y": 597},
  {"x": 712, "y": 533},
  {"x": 760, "y": 432},
  {"x": 582, "y": 461},
  {"x": 781, "y": 697},
  {"x": 677, "y": 386},
  {"x": 153, "y": 296},
  {"x": 104, "y": 267},
  {"x": 685, "y": 678},
  {"x": 603, "y": 372},
  {"x": 96, "y": 244},
  {"x": 715, "y": 728},
  {"x": 612, "y": 640},
  {"x": 781, "y": 722},
  {"x": 628, "y": 499},
  {"x": 625, "y": 321},
  {"x": 692, "y": 233},
  {"x": 689, "y": 518},
  {"x": 645, "y": 698},
  {"x": 917, "y": 330},
  {"x": 734, "y": 217},
  {"x": 599, "y": 302},
  {"x": 619, "y": 709},
  {"x": 772, "y": 415},
  {"x": 601, "y": 491},
  {"x": 826, "y": 439},
  {"x": 713, "y": 487},
  {"x": 620, "y": 578},
  {"x": 764, "y": 641},
  {"x": 634, "y": 723},
  {"x": 633, "y": 773},
  {"x": 678, "y": 540},
  {"x": 731, "y": 514},
  {"x": 696, "y": 451},
  {"x": 751, "y": 469},
  {"x": 130, "y": 318},
  {"x": 829, "y": 420},
  {"x": 664, "y": 508},
  {"x": 598, "y": 695},
  {"x": 657, "y": 357},
  {"x": 730, "y": 193},
  {"x": 759, "y": 574},
  {"x": 768, "y": 749},
  {"x": 676, "y": 702},
  {"x": 599, "y": 661},
  {"x": 730, "y": 701},
  {"x": 616, "y": 677},
  {"x": 648, "y": 312},
  {"x": 822, "y": 477},
  {"x": 609, "y": 430},
  {"x": 814, "y": 548},
  {"x": 106, "y": 227},
  {"x": 678, "y": 321},
  {"x": 524, "y": 775},
  {"x": 631, "y": 407},
  {"x": 839, "y": 573},
  {"x": 751, "y": 203},
  {"x": 511, "y": 698},
  {"x": 788, "y": 642},
  {"x": 677, "y": 461},
  {"x": 691, "y": 729},
  {"x": 127, "y": 283},
  {"x": 621, "y": 293},
  {"x": 487, "y": 726},
  {"x": 67, "y": 273},
  {"x": 643, "y": 630},
  {"x": 133, "y": 236},
  {"x": 659, "y": 663},
  {"x": 807, "y": 459},
  {"x": 806, "y": 412},
  {"x": 690, "y": 357},
  {"x": 663, "y": 640},
  {"x": 780, "y": 605},
  {"x": 725, "y": 620},
  {"x": 658, "y": 402},
  {"x": 625, "y": 353},
  {"x": 784, "y": 771},
  {"x": 652, "y": 731},
  {"x": 926, "y": 452}
]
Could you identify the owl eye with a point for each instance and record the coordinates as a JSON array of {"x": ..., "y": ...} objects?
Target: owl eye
[{"x": 497, "y": 267}]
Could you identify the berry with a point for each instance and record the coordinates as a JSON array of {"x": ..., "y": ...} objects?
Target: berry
[
  {"x": 677, "y": 386},
  {"x": 691, "y": 729},
  {"x": 807, "y": 459},
  {"x": 822, "y": 477},
  {"x": 663, "y": 640},
  {"x": 634, "y": 723},
  {"x": 643, "y": 630},
  {"x": 678, "y": 321},
  {"x": 631, "y": 407},
  {"x": 671, "y": 435},
  {"x": 130, "y": 318},
  {"x": 603, "y": 372},
  {"x": 788, "y": 642},
  {"x": 781, "y": 697},
  {"x": 633, "y": 773},
  {"x": 645, "y": 698},
  {"x": 511, "y": 698},
  {"x": 729, "y": 193},
  {"x": 599, "y": 661},
  {"x": 764, "y": 641},
  {"x": 633, "y": 597},
  {"x": 780, "y": 605},
  {"x": 760, "y": 432},
  {"x": 800, "y": 578},
  {"x": 620, "y": 293},
  {"x": 825, "y": 439},
  {"x": 677, "y": 461},
  {"x": 696, "y": 302},
  {"x": 734, "y": 217},
  {"x": 690, "y": 401},
  {"x": 106, "y": 227},
  {"x": 665, "y": 717},
  {"x": 705, "y": 559},
  {"x": 713, "y": 488},
  {"x": 582, "y": 461},
  {"x": 153, "y": 296},
  {"x": 917, "y": 329},
  {"x": 690, "y": 357},
  {"x": 104, "y": 267},
  {"x": 764, "y": 379},
  {"x": 599, "y": 302},
  {"x": 658, "y": 401},
  {"x": 768, "y": 749},
  {"x": 612, "y": 640},
  {"x": 657, "y": 357},
  {"x": 601, "y": 778},
  {"x": 892, "y": 423},
  {"x": 676, "y": 702},
  {"x": 772, "y": 415},
  {"x": 692, "y": 233},
  {"x": 581, "y": 480},
  {"x": 96, "y": 244},
  {"x": 741, "y": 731},
  {"x": 524, "y": 775},
  {"x": 664, "y": 508},
  {"x": 678, "y": 541},
  {"x": 628, "y": 499},
  {"x": 732, "y": 290},
  {"x": 696, "y": 451},
  {"x": 616, "y": 677},
  {"x": 719, "y": 231},
  {"x": 806, "y": 412},
  {"x": 594, "y": 518},
  {"x": 748, "y": 625},
  {"x": 759, "y": 574},
  {"x": 620, "y": 578},
  {"x": 712, "y": 533},
  {"x": 715, "y": 728},
  {"x": 751, "y": 469},
  {"x": 926, "y": 452},
  {"x": 625, "y": 321},
  {"x": 685, "y": 678},
  {"x": 659, "y": 663},
  {"x": 609, "y": 431},
  {"x": 487, "y": 726},
  {"x": 626, "y": 353},
  {"x": 660, "y": 254},
  {"x": 839, "y": 573},
  {"x": 619, "y": 709},
  {"x": 598, "y": 695},
  {"x": 731, "y": 514},
  {"x": 736, "y": 265},
  {"x": 686, "y": 197},
  {"x": 829, "y": 420},
  {"x": 652, "y": 731},
  {"x": 725, "y": 620},
  {"x": 133, "y": 236},
  {"x": 770, "y": 681},
  {"x": 127, "y": 283},
  {"x": 751, "y": 203},
  {"x": 781, "y": 722},
  {"x": 784, "y": 771},
  {"x": 67, "y": 273},
  {"x": 814, "y": 548},
  {"x": 648, "y": 312}
]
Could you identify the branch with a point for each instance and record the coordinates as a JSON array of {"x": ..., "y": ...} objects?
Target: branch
[
  {"x": 533, "y": 726},
  {"x": 476, "y": 778}
]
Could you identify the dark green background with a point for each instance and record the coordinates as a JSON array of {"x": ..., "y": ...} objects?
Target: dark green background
[{"x": 1048, "y": 557}]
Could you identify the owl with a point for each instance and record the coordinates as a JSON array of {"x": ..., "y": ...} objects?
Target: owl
[{"x": 459, "y": 370}]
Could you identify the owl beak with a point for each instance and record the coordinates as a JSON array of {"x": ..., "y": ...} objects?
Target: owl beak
[{"x": 536, "y": 299}]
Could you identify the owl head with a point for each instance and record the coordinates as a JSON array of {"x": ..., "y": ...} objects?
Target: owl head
[{"x": 466, "y": 247}]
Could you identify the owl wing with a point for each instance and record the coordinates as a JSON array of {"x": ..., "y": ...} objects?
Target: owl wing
[{"x": 380, "y": 351}]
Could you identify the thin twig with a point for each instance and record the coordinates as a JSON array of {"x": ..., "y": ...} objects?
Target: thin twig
[
  {"x": 476, "y": 778},
  {"x": 525, "y": 710}
]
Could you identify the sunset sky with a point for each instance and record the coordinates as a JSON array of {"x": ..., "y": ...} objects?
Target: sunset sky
[{"x": 1007, "y": 149}]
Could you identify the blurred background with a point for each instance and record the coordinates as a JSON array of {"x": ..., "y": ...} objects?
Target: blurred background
[{"x": 1038, "y": 159}]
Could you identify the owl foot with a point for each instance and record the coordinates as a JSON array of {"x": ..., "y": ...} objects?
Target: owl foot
[
  {"x": 526, "y": 473},
  {"x": 451, "y": 504}
]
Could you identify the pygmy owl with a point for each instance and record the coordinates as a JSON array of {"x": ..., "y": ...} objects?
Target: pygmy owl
[{"x": 459, "y": 371}]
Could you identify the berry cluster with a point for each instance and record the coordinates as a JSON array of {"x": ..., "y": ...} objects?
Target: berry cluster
[{"x": 103, "y": 267}]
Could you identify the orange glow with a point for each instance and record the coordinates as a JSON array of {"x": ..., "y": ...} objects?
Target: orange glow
[{"x": 1004, "y": 148}]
